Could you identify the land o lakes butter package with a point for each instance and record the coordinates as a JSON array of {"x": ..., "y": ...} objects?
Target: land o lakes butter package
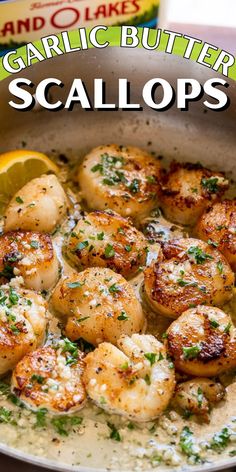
[{"x": 27, "y": 20}]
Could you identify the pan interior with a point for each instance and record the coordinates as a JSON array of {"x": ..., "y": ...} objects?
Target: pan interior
[{"x": 198, "y": 135}]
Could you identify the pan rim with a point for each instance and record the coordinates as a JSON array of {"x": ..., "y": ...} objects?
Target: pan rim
[{"x": 43, "y": 462}]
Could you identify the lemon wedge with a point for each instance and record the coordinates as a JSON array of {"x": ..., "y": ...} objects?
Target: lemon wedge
[{"x": 19, "y": 167}]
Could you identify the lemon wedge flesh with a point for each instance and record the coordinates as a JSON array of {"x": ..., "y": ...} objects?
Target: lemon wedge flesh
[{"x": 19, "y": 167}]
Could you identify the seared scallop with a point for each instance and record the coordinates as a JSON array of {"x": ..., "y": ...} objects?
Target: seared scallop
[
  {"x": 189, "y": 272},
  {"x": 50, "y": 378},
  {"x": 105, "y": 239},
  {"x": 99, "y": 305},
  {"x": 135, "y": 379},
  {"x": 38, "y": 206},
  {"x": 124, "y": 179},
  {"x": 22, "y": 324},
  {"x": 218, "y": 226},
  {"x": 188, "y": 189},
  {"x": 30, "y": 255},
  {"x": 198, "y": 396},
  {"x": 202, "y": 342}
]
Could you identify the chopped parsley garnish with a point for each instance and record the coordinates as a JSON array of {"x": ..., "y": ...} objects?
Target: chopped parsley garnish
[
  {"x": 100, "y": 236},
  {"x": 184, "y": 283},
  {"x": 19, "y": 200},
  {"x": 161, "y": 357},
  {"x": 199, "y": 397},
  {"x": 74, "y": 235},
  {"x": 191, "y": 352},
  {"x": 75, "y": 284},
  {"x": 212, "y": 243},
  {"x": 220, "y": 440},
  {"x": 128, "y": 248},
  {"x": 63, "y": 424},
  {"x": 72, "y": 350},
  {"x": 34, "y": 244},
  {"x": 97, "y": 168},
  {"x": 109, "y": 251},
  {"x": 114, "y": 434},
  {"x": 41, "y": 418},
  {"x": 199, "y": 255},
  {"x": 134, "y": 186},
  {"x": 109, "y": 167},
  {"x": 108, "y": 181},
  {"x": 123, "y": 316},
  {"x": 82, "y": 245},
  {"x": 13, "y": 297},
  {"x": 14, "y": 329},
  {"x": 114, "y": 288},
  {"x": 220, "y": 267},
  {"x": 5, "y": 415},
  {"x": 6, "y": 390},
  {"x": 232, "y": 453},
  {"x": 151, "y": 357},
  {"x": 211, "y": 184},
  {"x": 38, "y": 378},
  {"x": 186, "y": 443},
  {"x": 227, "y": 328},
  {"x": 3, "y": 299},
  {"x": 214, "y": 324}
]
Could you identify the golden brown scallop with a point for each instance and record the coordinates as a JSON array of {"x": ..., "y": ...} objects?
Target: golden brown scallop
[
  {"x": 197, "y": 397},
  {"x": 188, "y": 189},
  {"x": 50, "y": 378},
  {"x": 106, "y": 239},
  {"x": 124, "y": 179},
  {"x": 30, "y": 255},
  {"x": 38, "y": 206},
  {"x": 135, "y": 379},
  {"x": 189, "y": 272},
  {"x": 99, "y": 305},
  {"x": 202, "y": 342},
  {"x": 218, "y": 226},
  {"x": 22, "y": 324}
]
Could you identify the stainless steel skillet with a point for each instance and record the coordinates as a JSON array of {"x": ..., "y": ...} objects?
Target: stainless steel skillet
[{"x": 195, "y": 135}]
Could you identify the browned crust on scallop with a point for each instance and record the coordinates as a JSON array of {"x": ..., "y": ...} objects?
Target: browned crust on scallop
[
  {"x": 123, "y": 262},
  {"x": 213, "y": 346},
  {"x": 11, "y": 340},
  {"x": 217, "y": 348},
  {"x": 215, "y": 224},
  {"x": 12, "y": 249},
  {"x": 42, "y": 362},
  {"x": 174, "y": 298},
  {"x": 184, "y": 203},
  {"x": 201, "y": 171},
  {"x": 138, "y": 161}
]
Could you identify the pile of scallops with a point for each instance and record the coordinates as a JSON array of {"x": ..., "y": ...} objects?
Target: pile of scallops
[{"x": 128, "y": 371}]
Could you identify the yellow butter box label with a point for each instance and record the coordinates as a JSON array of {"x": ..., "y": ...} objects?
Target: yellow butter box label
[{"x": 27, "y": 20}]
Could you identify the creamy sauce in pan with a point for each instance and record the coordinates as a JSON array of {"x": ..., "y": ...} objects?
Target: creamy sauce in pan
[{"x": 84, "y": 439}]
